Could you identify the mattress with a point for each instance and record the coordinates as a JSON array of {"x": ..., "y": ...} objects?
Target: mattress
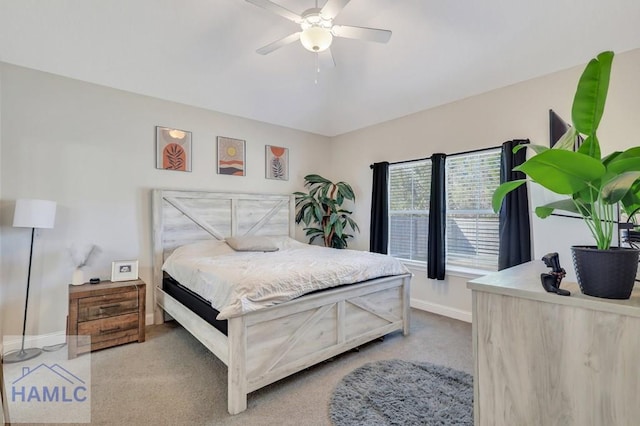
[
  {"x": 238, "y": 282},
  {"x": 195, "y": 303}
]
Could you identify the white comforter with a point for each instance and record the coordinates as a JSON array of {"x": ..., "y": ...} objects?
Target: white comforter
[{"x": 239, "y": 282}]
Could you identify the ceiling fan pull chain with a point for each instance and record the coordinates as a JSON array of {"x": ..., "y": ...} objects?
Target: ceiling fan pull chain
[{"x": 317, "y": 67}]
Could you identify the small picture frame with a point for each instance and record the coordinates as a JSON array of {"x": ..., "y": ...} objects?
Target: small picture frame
[
  {"x": 173, "y": 149},
  {"x": 231, "y": 156},
  {"x": 124, "y": 270},
  {"x": 276, "y": 162}
]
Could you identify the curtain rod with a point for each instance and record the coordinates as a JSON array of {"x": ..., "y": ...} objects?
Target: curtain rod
[{"x": 472, "y": 151}]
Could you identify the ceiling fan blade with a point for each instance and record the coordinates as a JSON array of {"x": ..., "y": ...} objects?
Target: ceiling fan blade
[
  {"x": 325, "y": 59},
  {"x": 278, "y": 44},
  {"x": 278, "y": 10},
  {"x": 331, "y": 9},
  {"x": 361, "y": 33}
]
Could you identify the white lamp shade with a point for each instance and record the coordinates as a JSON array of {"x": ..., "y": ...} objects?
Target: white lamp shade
[
  {"x": 34, "y": 213},
  {"x": 316, "y": 39}
]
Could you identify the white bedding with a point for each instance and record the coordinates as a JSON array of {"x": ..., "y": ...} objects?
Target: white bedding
[{"x": 239, "y": 282}]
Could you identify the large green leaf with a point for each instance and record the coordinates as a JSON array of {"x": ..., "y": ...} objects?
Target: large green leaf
[
  {"x": 318, "y": 213},
  {"x": 591, "y": 147},
  {"x": 631, "y": 200},
  {"x": 591, "y": 94},
  {"x": 628, "y": 156},
  {"x": 353, "y": 224},
  {"x": 621, "y": 165},
  {"x": 502, "y": 191},
  {"x": 632, "y": 152},
  {"x": 338, "y": 228},
  {"x": 615, "y": 189},
  {"x": 346, "y": 191},
  {"x": 566, "y": 205},
  {"x": 562, "y": 172},
  {"x": 614, "y": 156}
]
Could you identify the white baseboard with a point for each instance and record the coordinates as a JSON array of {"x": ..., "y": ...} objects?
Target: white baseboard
[
  {"x": 12, "y": 343},
  {"x": 441, "y": 310}
]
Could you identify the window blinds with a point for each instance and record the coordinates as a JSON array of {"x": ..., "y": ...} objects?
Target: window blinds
[
  {"x": 409, "y": 188},
  {"x": 472, "y": 226}
]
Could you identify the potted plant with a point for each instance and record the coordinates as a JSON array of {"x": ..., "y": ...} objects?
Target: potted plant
[
  {"x": 322, "y": 206},
  {"x": 594, "y": 186}
]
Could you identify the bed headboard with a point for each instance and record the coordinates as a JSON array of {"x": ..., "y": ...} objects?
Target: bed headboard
[{"x": 182, "y": 217}]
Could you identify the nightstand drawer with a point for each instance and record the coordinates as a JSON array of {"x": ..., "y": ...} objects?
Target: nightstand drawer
[
  {"x": 96, "y": 307},
  {"x": 108, "y": 328},
  {"x": 107, "y": 340}
]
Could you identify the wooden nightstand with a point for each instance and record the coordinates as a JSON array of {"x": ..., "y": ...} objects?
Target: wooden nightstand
[{"x": 112, "y": 313}]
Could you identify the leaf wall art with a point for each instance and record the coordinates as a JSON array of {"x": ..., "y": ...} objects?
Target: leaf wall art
[
  {"x": 277, "y": 162},
  {"x": 173, "y": 149}
]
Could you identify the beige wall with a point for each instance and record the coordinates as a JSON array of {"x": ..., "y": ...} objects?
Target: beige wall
[
  {"x": 92, "y": 150},
  {"x": 517, "y": 111}
]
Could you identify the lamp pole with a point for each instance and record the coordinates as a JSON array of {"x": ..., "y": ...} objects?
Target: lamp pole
[
  {"x": 30, "y": 214},
  {"x": 24, "y": 354}
]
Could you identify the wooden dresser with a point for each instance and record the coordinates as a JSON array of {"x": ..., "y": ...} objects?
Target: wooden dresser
[
  {"x": 111, "y": 313},
  {"x": 544, "y": 359}
]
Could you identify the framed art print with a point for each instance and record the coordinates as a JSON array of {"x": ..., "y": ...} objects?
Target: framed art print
[
  {"x": 124, "y": 270},
  {"x": 173, "y": 149},
  {"x": 231, "y": 157},
  {"x": 277, "y": 162}
]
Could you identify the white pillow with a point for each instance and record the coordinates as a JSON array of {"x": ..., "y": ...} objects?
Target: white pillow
[{"x": 251, "y": 243}]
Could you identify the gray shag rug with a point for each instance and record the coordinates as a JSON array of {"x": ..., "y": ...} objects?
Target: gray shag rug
[{"x": 396, "y": 392}]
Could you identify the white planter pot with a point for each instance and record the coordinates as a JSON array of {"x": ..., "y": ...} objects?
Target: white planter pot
[{"x": 78, "y": 277}]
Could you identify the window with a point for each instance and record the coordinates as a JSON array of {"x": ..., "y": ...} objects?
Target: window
[
  {"x": 409, "y": 187},
  {"x": 472, "y": 227}
]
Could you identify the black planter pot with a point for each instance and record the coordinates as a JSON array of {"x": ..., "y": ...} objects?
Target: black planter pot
[{"x": 609, "y": 273}]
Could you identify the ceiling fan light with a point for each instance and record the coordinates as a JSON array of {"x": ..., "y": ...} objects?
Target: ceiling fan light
[{"x": 316, "y": 39}]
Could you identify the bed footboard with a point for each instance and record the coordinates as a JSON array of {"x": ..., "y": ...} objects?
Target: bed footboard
[{"x": 268, "y": 345}]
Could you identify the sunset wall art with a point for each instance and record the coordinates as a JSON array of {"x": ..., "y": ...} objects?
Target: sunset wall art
[{"x": 231, "y": 160}]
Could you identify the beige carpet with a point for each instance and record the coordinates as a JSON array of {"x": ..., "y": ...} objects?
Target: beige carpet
[{"x": 171, "y": 379}]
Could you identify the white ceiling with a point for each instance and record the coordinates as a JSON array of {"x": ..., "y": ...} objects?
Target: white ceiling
[{"x": 202, "y": 52}]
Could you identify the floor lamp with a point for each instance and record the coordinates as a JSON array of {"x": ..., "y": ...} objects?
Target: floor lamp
[{"x": 30, "y": 214}]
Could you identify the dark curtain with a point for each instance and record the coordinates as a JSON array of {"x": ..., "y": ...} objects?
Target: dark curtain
[
  {"x": 437, "y": 217},
  {"x": 379, "y": 230},
  {"x": 514, "y": 228}
]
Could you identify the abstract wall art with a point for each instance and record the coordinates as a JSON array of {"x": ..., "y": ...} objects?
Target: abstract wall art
[
  {"x": 277, "y": 162},
  {"x": 173, "y": 149},
  {"x": 231, "y": 158}
]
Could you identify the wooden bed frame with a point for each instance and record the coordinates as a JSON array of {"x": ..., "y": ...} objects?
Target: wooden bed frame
[{"x": 269, "y": 344}]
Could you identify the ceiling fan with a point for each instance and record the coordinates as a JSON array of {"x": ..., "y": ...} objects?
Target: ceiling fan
[{"x": 317, "y": 29}]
